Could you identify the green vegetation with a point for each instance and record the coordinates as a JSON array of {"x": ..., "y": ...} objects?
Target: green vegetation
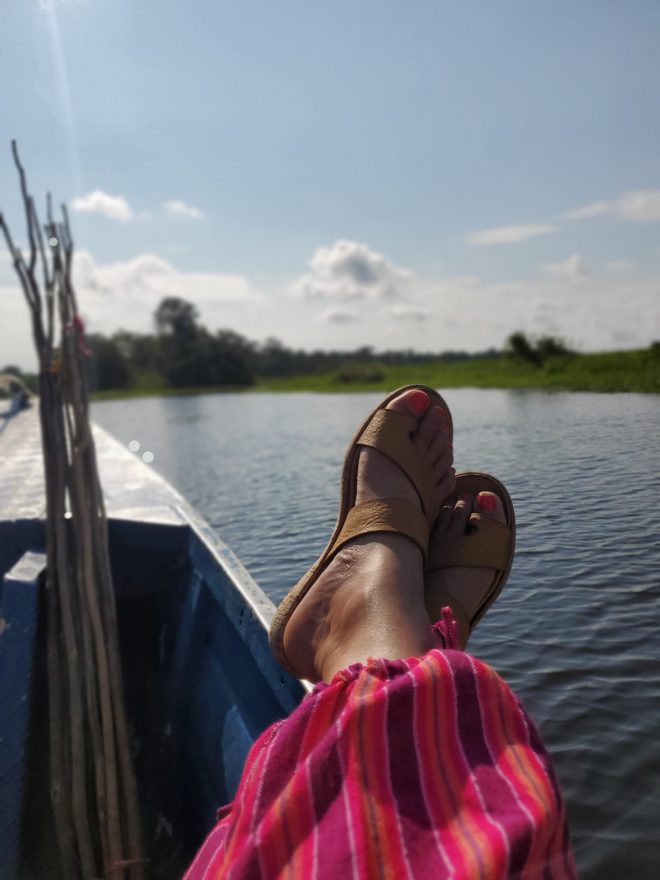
[
  {"x": 612, "y": 371},
  {"x": 183, "y": 357}
]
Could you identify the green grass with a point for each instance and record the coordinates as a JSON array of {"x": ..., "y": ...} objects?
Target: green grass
[
  {"x": 637, "y": 371},
  {"x": 613, "y": 371}
]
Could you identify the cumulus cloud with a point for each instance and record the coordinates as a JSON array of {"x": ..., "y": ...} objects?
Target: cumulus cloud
[
  {"x": 348, "y": 270},
  {"x": 572, "y": 267},
  {"x": 99, "y": 202},
  {"x": 510, "y": 234},
  {"x": 408, "y": 313},
  {"x": 177, "y": 208},
  {"x": 340, "y": 316},
  {"x": 126, "y": 294}
]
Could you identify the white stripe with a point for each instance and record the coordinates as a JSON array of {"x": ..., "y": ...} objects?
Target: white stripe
[
  {"x": 202, "y": 851},
  {"x": 389, "y": 785},
  {"x": 436, "y": 833},
  {"x": 496, "y": 766},
  {"x": 210, "y": 863},
  {"x": 256, "y": 832},
  {"x": 315, "y": 831},
  {"x": 564, "y": 856},
  {"x": 347, "y": 808},
  {"x": 310, "y": 789},
  {"x": 244, "y": 786},
  {"x": 260, "y": 783},
  {"x": 443, "y": 658}
]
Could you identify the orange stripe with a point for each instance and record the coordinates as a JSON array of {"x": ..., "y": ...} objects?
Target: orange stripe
[
  {"x": 357, "y": 774},
  {"x": 515, "y": 763},
  {"x": 442, "y": 753},
  {"x": 377, "y": 776},
  {"x": 470, "y": 819}
]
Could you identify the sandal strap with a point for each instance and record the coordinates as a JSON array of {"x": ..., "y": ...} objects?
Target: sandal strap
[
  {"x": 487, "y": 544},
  {"x": 390, "y": 432},
  {"x": 384, "y": 515}
]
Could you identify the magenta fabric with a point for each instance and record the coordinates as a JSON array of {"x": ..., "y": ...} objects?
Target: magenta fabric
[{"x": 420, "y": 768}]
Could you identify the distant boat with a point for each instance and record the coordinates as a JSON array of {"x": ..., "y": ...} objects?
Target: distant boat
[{"x": 200, "y": 682}]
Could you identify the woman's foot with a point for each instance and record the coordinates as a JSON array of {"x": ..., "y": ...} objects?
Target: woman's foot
[
  {"x": 462, "y": 588},
  {"x": 369, "y": 601}
]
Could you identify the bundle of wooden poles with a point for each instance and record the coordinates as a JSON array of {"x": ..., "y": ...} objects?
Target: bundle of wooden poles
[{"x": 93, "y": 786}]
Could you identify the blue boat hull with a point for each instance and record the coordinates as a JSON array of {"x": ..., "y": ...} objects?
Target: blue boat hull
[{"x": 200, "y": 683}]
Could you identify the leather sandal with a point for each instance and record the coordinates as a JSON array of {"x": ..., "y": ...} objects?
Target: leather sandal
[
  {"x": 391, "y": 433},
  {"x": 486, "y": 543}
]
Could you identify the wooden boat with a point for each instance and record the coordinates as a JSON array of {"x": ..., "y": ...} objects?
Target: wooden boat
[{"x": 200, "y": 682}]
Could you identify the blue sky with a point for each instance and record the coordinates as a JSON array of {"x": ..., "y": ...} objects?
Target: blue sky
[{"x": 429, "y": 175}]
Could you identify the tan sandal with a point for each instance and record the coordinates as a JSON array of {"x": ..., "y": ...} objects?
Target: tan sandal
[
  {"x": 486, "y": 543},
  {"x": 391, "y": 433}
]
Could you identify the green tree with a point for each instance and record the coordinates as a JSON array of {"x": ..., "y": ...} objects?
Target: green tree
[
  {"x": 520, "y": 348},
  {"x": 107, "y": 368},
  {"x": 190, "y": 356},
  {"x": 177, "y": 317}
]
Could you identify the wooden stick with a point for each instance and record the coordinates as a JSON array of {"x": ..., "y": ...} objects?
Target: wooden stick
[{"x": 93, "y": 785}]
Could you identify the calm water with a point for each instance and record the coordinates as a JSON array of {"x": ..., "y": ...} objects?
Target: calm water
[{"x": 576, "y": 630}]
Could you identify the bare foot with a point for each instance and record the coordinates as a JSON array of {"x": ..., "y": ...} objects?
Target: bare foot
[
  {"x": 369, "y": 600},
  {"x": 462, "y": 588}
]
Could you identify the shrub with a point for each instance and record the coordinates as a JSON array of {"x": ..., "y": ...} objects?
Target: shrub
[
  {"x": 551, "y": 347},
  {"x": 356, "y": 372}
]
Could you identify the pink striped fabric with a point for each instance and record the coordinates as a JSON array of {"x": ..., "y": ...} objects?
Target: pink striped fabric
[{"x": 426, "y": 767}]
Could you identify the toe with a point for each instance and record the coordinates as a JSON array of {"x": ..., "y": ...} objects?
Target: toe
[
  {"x": 431, "y": 426},
  {"x": 446, "y": 485},
  {"x": 442, "y": 464},
  {"x": 460, "y": 515},
  {"x": 490, "y": 504},
  {"x": 440, "y": 446},
  {"x": 415, "y": 402}
]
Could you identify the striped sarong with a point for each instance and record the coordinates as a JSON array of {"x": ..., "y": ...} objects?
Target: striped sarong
[{"x": 420, "y": 768}]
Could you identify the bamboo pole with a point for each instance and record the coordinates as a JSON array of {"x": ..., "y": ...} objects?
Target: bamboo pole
[{"x": 93, "y": 786}]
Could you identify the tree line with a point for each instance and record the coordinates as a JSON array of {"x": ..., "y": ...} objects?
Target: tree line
[{"x": 182, "y": 353}]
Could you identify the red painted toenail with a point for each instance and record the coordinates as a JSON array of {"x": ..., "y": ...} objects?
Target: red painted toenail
[
  {"x": 486, "y": 502},
  {"x": 418, "y": 401}
]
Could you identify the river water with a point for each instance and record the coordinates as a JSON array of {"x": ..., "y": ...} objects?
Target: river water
[{"x": 576, "y": 632}]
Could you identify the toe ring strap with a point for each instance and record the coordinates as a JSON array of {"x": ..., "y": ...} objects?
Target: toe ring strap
[
  {"x": 487, "y": 544},
  {"x": 385, "y": 515}
]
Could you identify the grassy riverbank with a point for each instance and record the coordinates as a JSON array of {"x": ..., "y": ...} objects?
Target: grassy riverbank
[{"x": 637, "y": 371}]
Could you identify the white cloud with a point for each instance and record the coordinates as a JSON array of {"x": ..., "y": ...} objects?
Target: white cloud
[
  {"x": 641, "y": 205},
  {"x": 348, "y": 270},
  {"x": 340, "y": 316},
  {"x": 408, "y": 313},
  {"x": 126, "y": 294},
  {"x": 177, "y": 208},
  {"x": 140, "y": 283},
  {"x": 620, "y": 266},
  {"x": 606, "y": 310},
  {"x": 99, "y": 202},
  {"x": 510, "y": 234},
  {"x": 588, "y": 211},
  {"x": 572, "y": 267}
]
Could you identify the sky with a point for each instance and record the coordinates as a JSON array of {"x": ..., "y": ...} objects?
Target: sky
[{"x": 429, "y": 175}]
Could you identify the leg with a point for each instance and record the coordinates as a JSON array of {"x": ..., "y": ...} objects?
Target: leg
[{"x": 369, "y": 602}]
